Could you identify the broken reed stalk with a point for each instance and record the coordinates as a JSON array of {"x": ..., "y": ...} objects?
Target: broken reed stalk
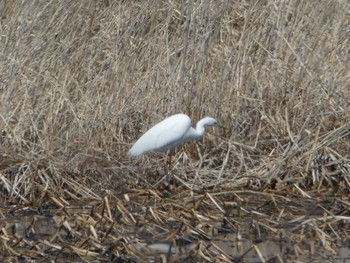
[
  {"x": 80, "y": 82},
  {"x": 193, "y": 229},
  {"x": 76, "y": 92}
]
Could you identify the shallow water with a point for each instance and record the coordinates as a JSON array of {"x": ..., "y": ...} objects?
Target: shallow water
[
  {"x": 234, "y": 245},
  {"x": 249, "y": 251}
]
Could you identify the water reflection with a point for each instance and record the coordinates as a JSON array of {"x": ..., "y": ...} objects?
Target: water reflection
[
  {"x": 33, "y": 228},
  {"x": 235, "y": 246},
  {"x": 246, "y": 250}
]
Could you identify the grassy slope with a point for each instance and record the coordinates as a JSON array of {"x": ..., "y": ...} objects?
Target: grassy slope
[{"x": 81, "y": 80}]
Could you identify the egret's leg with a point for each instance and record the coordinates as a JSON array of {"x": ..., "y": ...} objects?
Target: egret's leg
[{"x": 168, "y": 160}]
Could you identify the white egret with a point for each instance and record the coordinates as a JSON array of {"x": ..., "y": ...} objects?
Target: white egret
[{"x": 169, "y": 133}]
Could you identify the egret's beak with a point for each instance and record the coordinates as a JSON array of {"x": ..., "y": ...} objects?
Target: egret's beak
[{"x": 219, "y": 125}]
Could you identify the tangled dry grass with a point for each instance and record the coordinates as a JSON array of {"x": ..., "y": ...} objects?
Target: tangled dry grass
[
  {"x": 80, "y": 81},
  {"x": 145, "y": 226}
]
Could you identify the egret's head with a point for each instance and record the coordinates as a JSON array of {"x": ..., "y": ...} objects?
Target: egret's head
[
  {"x": 212, "y": 122},
  {"x": 208, "y": 121}
]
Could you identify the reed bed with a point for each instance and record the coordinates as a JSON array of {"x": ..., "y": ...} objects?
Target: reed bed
[
  {"x": 80, "y": 81},
  {"x": 153, "y": 226}
]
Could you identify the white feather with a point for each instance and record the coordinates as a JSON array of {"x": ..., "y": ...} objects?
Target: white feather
[{"x": 168, "y": 134}]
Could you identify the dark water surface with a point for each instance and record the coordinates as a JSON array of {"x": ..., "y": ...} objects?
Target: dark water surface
[{"x": 236, "y": 246}]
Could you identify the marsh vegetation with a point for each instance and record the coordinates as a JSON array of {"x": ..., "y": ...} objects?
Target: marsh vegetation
[{"x": 80, "y": 81}]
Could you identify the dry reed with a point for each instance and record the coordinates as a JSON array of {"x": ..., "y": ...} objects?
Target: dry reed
[{"x": 81, "y": 80}]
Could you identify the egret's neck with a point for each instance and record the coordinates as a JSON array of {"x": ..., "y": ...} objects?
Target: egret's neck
[{"x": 200, "y": 129}]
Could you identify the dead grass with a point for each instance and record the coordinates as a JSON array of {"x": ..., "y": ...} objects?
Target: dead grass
[
  {"x": 81, "y": 81},
  {"x": 136, "y": 226}
]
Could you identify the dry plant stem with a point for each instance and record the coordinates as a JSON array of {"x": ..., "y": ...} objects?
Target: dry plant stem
[
  {"x": 89, "y": 234},
  {"x": 75, "y": 92}
]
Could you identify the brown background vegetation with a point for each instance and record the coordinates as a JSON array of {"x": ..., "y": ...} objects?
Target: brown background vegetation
[{"x": 81, "y": 80}]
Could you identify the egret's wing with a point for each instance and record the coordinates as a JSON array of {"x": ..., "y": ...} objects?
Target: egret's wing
[
  {"x": 163, "y": 136},
  {"x": 172, "y": 132}
]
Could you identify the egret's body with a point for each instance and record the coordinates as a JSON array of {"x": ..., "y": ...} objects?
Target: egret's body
[{"x": 169, "y": 133}]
